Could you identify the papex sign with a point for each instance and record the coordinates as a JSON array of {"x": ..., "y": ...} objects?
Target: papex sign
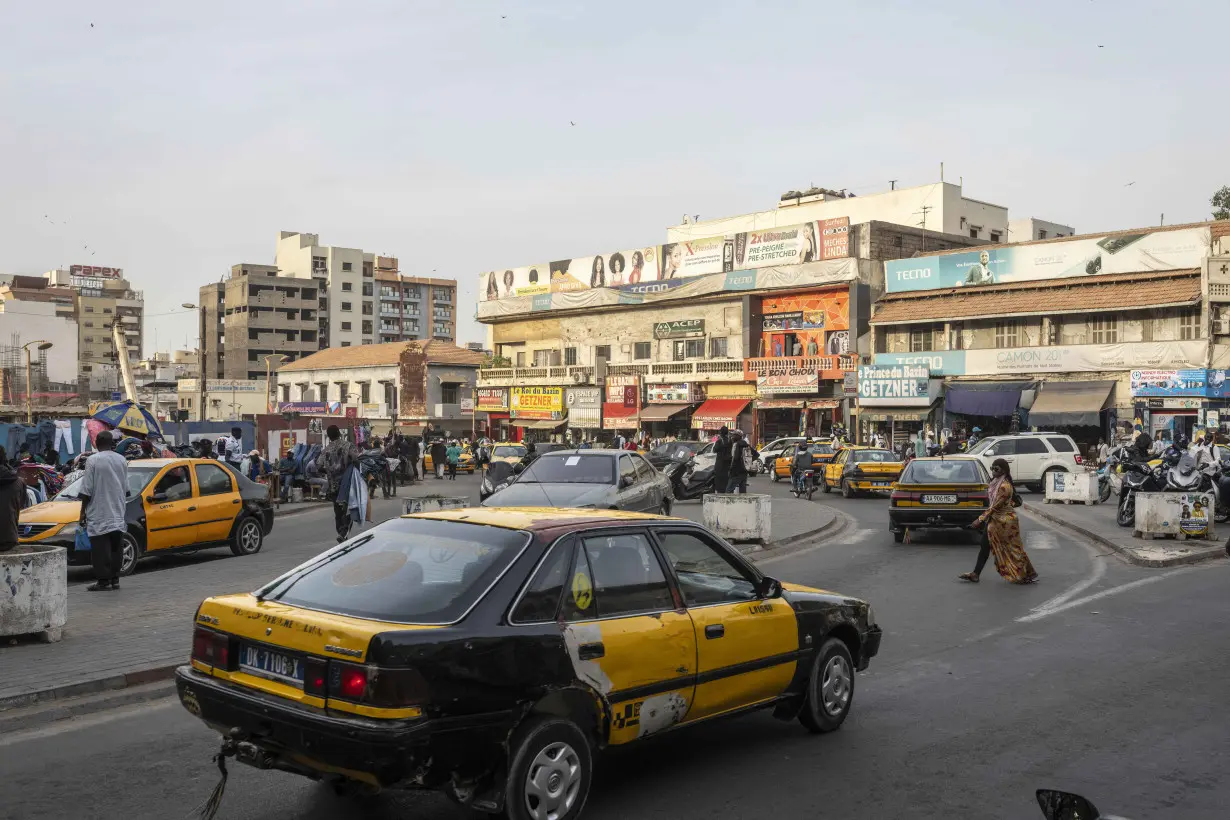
[
  {"x": 679, "y": 328},
  {"x": 896, "y": 385},
  {"x": 1085, "y": 256},
  {"x": 537, "y": 402}
]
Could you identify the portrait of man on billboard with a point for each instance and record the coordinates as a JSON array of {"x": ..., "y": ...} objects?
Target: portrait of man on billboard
[{"x": 980, "y": 274}]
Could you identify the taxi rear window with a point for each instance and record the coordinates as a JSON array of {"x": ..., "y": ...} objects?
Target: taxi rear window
[
  {"x": 407, "y": 570},
  {"x": 944, "y": 472},
  {"x": 875, "y": 456}
]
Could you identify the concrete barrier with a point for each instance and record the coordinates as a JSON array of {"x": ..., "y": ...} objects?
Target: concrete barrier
[
  {"x": 1071, "y": 488},
  {"x": 34, "y": 591},
  {"x": 743, "y": 517},
  {"x": 433, "y": 503},
  {"x": 1182, "y": 515}
]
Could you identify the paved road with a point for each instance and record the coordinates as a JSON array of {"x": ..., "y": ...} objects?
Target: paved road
[{"x": 1103, "y": 678}]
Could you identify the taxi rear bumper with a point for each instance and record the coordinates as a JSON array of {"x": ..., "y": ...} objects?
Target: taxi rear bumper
[{"x": 900, "y": 518}]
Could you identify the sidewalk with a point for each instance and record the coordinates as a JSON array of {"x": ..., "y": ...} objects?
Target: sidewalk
[{"x": 1098, "y": 524}]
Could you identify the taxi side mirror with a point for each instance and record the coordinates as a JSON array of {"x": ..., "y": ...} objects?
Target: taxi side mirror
[
  {"x": 769, "y": 588},
  {"x": 157, "y": 497}
]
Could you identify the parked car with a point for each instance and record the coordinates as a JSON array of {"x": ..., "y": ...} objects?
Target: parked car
[
  {"x": 493, "y": 653},
  {"x": 174, "y": 505},
  {"x": 606, "y": 479},
  {"x": 857, "y": 469},
  {"x": 938, "y": 493},
  {"x": 1031, "y": 455}
]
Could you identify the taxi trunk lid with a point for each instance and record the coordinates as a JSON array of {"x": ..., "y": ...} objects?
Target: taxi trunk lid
[{"x": 879, "y": 468}]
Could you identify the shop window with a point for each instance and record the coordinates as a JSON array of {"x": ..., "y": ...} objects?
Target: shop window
[
  {"x": 448, "y": 393},
  {"x": 570, "y": 356},
  {"x": 921, "y": 340},
  {"x": 717, "y": 348},
  {"x": 642, "y": 350},
  {"x": 695, "y": 349},
  {"x": 1189, "y": 324},
  {"x": 1007, "y": 334},
  {"x": 1104, "y": 331}
]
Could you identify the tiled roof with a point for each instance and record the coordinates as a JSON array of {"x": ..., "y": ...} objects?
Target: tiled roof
[
  {"x": 1114, "y": 292},
  {"x": 383, "y": 354}
]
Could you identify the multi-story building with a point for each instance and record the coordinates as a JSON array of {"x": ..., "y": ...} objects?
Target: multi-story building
[
  {"x": 753, "y": 321},
  {"x": 346, "y": 279},
  {"x": 255, "y": 314},
  {"x": 30, "y": 311},
  {"x": 104, "y": 297},
  {"x": 414, "y": 307}
]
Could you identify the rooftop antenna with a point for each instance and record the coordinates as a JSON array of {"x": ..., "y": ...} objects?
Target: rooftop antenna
[{"x": 892, "y": 185}]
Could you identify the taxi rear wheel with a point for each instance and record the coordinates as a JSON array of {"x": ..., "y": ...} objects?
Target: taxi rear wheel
[
  {"x": 846, "y": 492},
  {"x": 830, "y": 688},
  {"x": 824, "y": 484},
  {"x": 248, "y": 537},
  {"x": 776, "y": 477},
  {"x": 550, "y": 771}
]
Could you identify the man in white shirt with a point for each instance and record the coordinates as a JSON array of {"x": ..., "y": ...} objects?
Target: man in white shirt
[
  {"x": 104, "y": 499},
  {"x": 234, "y": 448}
]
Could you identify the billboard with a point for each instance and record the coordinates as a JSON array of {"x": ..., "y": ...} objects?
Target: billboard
[
  {"x": 788, "y": 383},
  {"x": 537, "y": 402},
  {"x": 1084, "y": 256},
  {"x": 493, "y": 399},
  {"x": 1169, "y": 382},
  {"x": 806, "y": 242},
  {"x": 895, "y": 385},
  {"x": 1028, "y": 361}
]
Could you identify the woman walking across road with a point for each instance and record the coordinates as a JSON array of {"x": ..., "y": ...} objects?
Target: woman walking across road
[{"x": 1003, "y": 536}]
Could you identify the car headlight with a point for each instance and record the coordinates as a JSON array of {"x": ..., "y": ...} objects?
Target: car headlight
[
  {"x": 871, "y": 615},
  {"x": 70, "y": 529},
  {"x": 486, "y": 486}
]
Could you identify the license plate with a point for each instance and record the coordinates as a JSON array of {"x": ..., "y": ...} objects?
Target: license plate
[
  {"x": 939, "y": 499},
  {"x": 267, "y": 663},
  {"x": 885, "y": 484}
]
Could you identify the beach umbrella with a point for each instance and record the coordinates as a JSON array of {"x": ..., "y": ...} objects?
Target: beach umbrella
[{"x": 129, "y": 416}]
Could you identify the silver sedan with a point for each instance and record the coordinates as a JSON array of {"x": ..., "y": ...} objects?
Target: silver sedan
[{"x": 603, "y": 479}]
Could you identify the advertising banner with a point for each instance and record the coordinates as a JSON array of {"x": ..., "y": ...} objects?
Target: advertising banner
[
  {"x": 697, "y": 257},
  {"x": 537, "y": 402},
  {"x": 579, "y": 398},
  {"x": 788, "y": 384},
  {"x": 1061, "y": 359},
  {"x": 897, "y": 385},
  {"x": 793, "y": 245},
  {"x": 621, "y": 268},
  {"x": 1169, "y": 382},
  {"x": 673, "y": 393},
  {"x": 1084, "y": 256},
  {"x": 623, "y": 390},
  {"x": 493, "y": 399},
  {"x": 939, "y": 362},
  {"x": 318, "y": 408},
  {"x": 679, "y": 329},
  {"x": 835, "y": 238}
]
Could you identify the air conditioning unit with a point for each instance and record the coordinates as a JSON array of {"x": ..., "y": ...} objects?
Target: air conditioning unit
[
  {"x": 1221, "y": 327},
  {"x": 578, "y": 378},
  {"x": 625, "y": 348}
]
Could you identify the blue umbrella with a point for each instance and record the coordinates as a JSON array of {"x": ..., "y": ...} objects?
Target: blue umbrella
[{"x": 130, "y": 416}]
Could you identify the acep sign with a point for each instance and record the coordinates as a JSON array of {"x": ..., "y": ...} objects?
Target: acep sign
[{"x": 902, "y": 385}]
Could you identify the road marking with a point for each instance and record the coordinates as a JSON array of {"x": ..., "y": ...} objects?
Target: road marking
[
  {"x": 1098, "y": 567},
  {"x": 73, "y": 724},
  {"x": 1050, "y": 608}
]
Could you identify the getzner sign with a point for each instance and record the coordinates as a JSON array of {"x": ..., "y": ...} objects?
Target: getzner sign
[
  {"x": 900, "y": 385},
  {"x": 679, "y": 328}
]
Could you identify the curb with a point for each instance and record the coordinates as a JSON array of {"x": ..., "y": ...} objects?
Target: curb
[
  {"x": 1206, "y": 554},
  {"x": 90, "y": 687},
  {"x": 39, "y": 715},
  {"x": 775, "y": 549}
]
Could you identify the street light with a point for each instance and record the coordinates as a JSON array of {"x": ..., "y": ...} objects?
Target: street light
[
  {"x": 42, "y": 345},
  {"x": 268, "y": 361},
  {"x": 200, "y": 360}
]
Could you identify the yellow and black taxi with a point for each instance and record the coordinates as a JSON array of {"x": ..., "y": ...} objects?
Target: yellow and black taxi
[
  {"x": 490, "y": 653},
  {"x": 938, "y": 493},
  {"x": 822, "y": 453},
  {"x": 174, "y": 504},
  {"x": 509, "y": 452},
  {"x": 855, "y": 469},
  {"x": 465, "y": 461}
]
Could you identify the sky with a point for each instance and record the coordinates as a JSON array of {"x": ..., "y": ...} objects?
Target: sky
[{"x": 174, "y": 140}]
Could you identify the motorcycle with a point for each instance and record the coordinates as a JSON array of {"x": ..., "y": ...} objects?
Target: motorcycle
[
  {"x": 808, "y": 482},
  {"x": 1109, "y": 480},
  {"x": 497, "y": 476},
  {"x": 1057, "y": 805},
  {"x": 1137, "y": 478},
  {"x": 688, "y": 482}
]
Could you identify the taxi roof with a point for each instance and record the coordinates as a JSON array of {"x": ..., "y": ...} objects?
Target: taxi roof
[
  {"x": 953, "y": 457},
  {"x": 535, "y": 518}
]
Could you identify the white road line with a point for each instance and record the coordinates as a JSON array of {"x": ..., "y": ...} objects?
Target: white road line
[
  {"x": 1047, "y": 609},
  {"x": 1098, "y": 567}
]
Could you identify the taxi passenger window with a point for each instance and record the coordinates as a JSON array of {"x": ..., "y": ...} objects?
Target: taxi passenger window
[
  {"x": 579, "y": 602},
  {"x": 627, "y": 576},
  {"x": 627, "y": 470},
  {"x": 706, "y": 576},
  {"x": 212, "y": 480},
  {"x": 174, "y": 485},
  {"x": 541, "y": 597}
]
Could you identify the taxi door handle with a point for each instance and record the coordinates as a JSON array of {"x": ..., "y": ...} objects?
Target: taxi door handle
[
  {"x": 234, "y": 500},
  {"x": 714, "y": 631},
  {"x": 192, "y": 509},
  {"x": 591, "y": 651}
]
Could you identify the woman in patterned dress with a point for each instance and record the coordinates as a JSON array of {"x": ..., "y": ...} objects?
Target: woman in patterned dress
[{"x": 1003, "y": 532}]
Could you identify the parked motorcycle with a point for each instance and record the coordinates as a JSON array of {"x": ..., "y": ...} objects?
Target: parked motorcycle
[
  {"x": 1057, "y": 805},
  {"x": 1137, "y": 478},
  {"x": 497, "y": 476},
  {"x": 1109, "y": 480},
  {"x": 687, "y": 481}
]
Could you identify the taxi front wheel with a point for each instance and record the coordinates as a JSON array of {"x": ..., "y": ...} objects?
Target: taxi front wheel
[
  {"x": 248, "y": 537},
  {"x": 129, "y": 555},
  {"x": 830, "y": 688},
  {"x": 549, "y": 772}
]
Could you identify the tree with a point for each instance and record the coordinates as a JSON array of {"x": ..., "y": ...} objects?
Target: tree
[{"x": 1221, "y": 203}]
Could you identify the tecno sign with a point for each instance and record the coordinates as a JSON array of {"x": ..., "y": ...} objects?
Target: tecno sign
[{"x": 913, "y": 273}]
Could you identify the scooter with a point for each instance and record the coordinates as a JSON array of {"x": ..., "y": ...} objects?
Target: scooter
[
  {"x": 1137, "y": 478},
  {"x": 804, "y": 485},
  {"x": 687, "y": 482}
]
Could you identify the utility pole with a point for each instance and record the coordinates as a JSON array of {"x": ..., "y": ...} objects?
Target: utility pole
[
  {"x": 892, "y": 185},
  {"x": 268, "y": 380},
  {"x": 42, "y": 345}
]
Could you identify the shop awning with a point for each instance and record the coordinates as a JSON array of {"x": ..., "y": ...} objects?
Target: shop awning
[
  {"x": 716, "y": 412},
  {"x": 896, "y": 413},
  {"x": 617, "y": 416},
  {"x": 661, "y": 412},
  {"x": 585, "y": 418},
  {"x": 537, "y": 424},
  {"x": 1070, "y": 404},
  {"x": 998, "y": 399}
]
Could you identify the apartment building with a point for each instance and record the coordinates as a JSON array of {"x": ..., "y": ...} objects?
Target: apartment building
[
  {"x": 253, "y": 315},
  {"x": 103, "y": 297},
  {"x": 414, "y": 307},
  {"x": 346, "y": 279}
]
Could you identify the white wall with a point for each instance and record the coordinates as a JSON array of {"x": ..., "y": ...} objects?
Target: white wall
[
  {"x": 354, "y": 277},
  {"x": 899, "y": 207},
  {"x": 1030, "y": 228},
  {"x": 722, "y": 319},
  {"x": 373, "y": 374},
  {"x": 38, "y": 320}
]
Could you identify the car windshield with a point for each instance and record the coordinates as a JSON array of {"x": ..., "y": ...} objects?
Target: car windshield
[
  {"x": 675, "y": 449},
  {"x": 954, "y": 471},
  {"x": 875, "y": 456},
  {"x": 570, "y": 469},
  {"x": 407, "y": 570},
  {"x": 508, "y": 450},
  {"x": 822, "y": 449},
  {"x": 138, "y": 477},
  {"x": 980, "y": 446}
]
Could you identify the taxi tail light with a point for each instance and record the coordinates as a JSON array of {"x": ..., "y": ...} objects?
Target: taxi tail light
[
  {"x": 316, "y": 677},
  {"x": 214, "y": 649},
  {"x": 374, "y": 686}
]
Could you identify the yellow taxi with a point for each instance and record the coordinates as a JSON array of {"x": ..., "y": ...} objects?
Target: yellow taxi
[
  {"x": 510, "y": 452},
  {"x": 858, "y": 469},
  {"x": 465, "y": 462},
  {"x": 174, "y": 504},
  {"x": 493, "y": 653},
  {"x": 821, "y": 454}
]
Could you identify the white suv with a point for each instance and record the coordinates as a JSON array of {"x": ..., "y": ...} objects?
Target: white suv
[{"x": 1031, "y": 455}]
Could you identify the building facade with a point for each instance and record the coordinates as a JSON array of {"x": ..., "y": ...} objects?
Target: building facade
[
  {"x": 414, "y": 307},
  {"x": 104, "y": 297}
]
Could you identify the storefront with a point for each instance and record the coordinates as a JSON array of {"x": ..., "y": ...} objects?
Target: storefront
[
  {"x": 494, "y": 402},
  {"x": 715, "y": 414},
  {"x": 621, "y": 410},
  {"x": 778, "y": 418},
  {"x": 994, "y": 406},
  {"x": 898, "y": 401},
  {"x": 538, "y": 412},
  {"x": 620, "y": 417},
  {"x": 584, "y": 413},
  {"x": 1083, "y": 410},
  {"x": 1172, "y": 403},
  {"x": 668, "y": 409}
]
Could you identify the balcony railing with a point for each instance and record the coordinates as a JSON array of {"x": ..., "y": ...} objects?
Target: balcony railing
[{"x": 829, "y": 367}]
